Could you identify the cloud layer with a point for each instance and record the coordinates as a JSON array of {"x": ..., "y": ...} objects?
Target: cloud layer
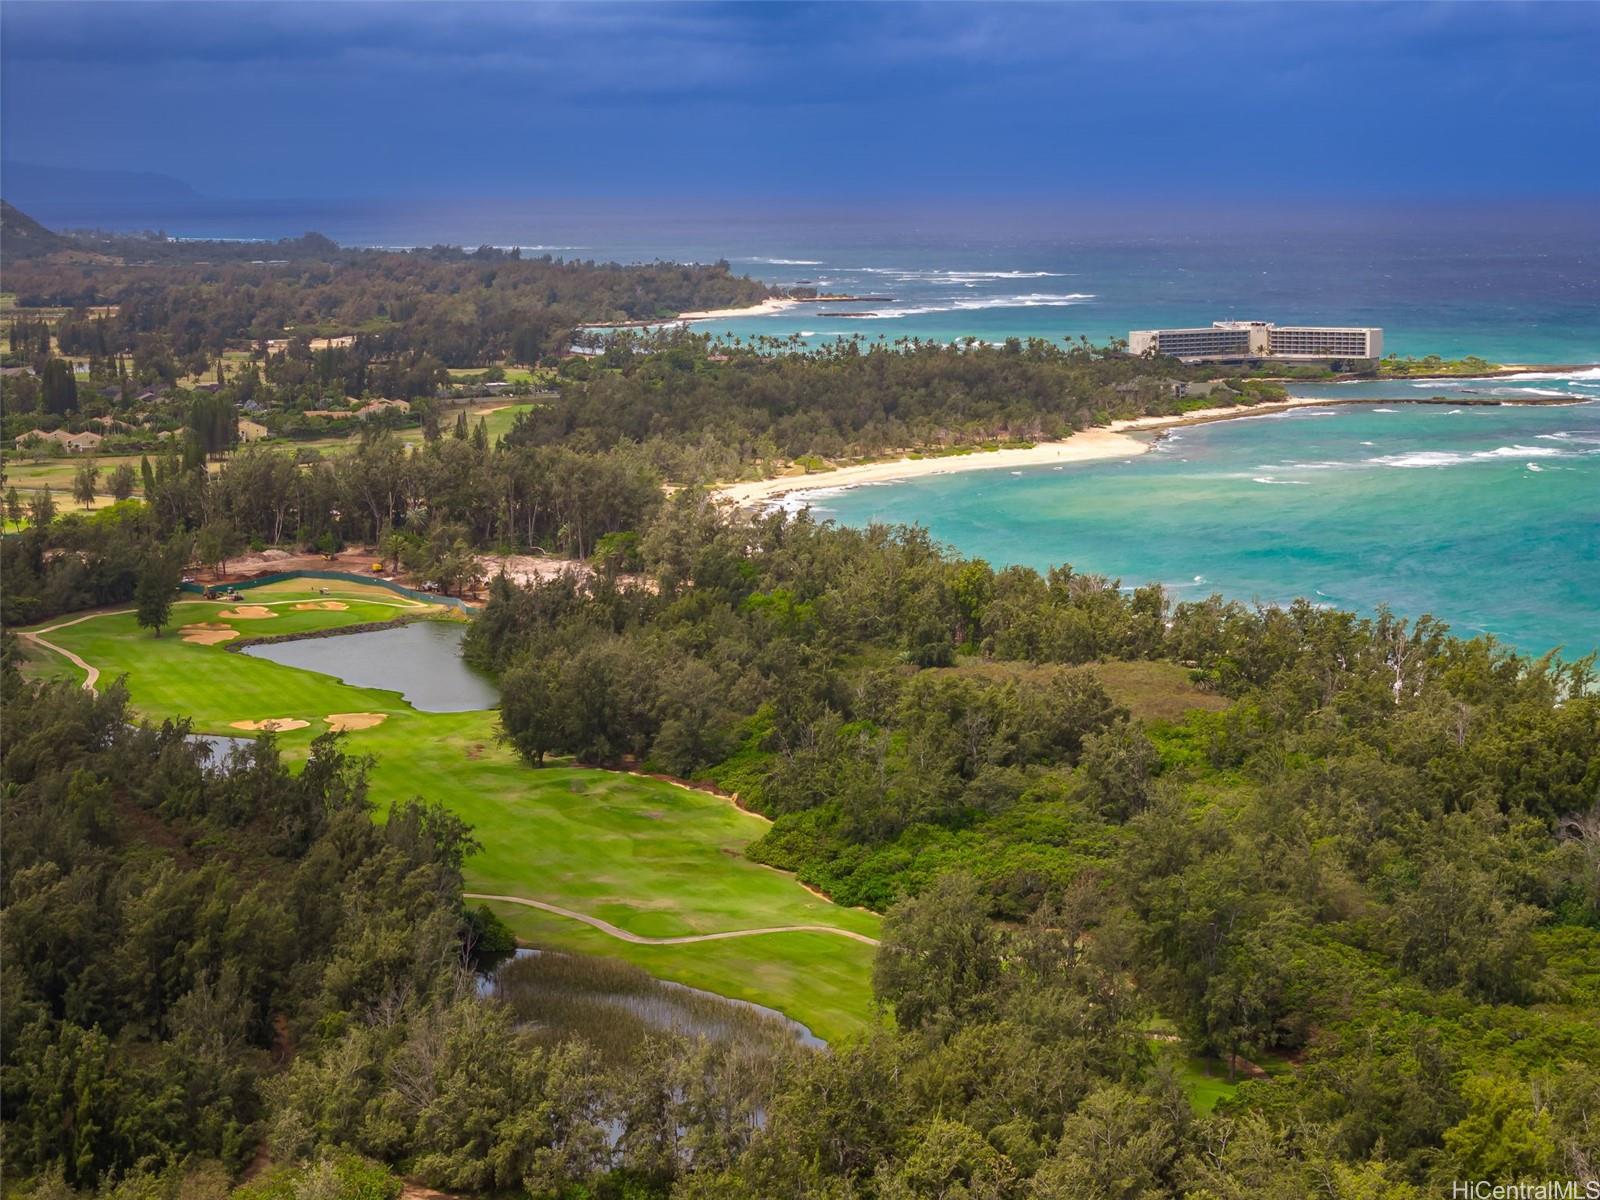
[{"x": 832, "y": 100}]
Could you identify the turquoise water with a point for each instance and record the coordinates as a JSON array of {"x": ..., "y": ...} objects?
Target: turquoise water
[{"x": 1486, "y": 517}]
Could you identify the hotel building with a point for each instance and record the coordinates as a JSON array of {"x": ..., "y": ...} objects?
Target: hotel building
[{"x": 1258, "y": 339}]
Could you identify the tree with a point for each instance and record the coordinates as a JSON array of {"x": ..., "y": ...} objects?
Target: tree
[
  {"x": 58, "y": 387},
  {"x": 215, "y": 542},
  {"x": 940, "y": 957},
  {"x": 213, "y": 422},
  {"x": 84, "y": 482},
  {"x": 14, "y": 509},
  {"x": 159, "y": 575},
  {"x": 122, "y": 482},
  {"x": 42, "y": 511}
]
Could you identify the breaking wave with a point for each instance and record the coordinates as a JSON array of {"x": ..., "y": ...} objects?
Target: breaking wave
[
  {"x": 1456, "y": 458},
  {"x": 1027, "y": 300}
]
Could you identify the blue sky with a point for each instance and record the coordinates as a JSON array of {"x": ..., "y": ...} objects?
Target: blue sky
[{"x": 834, "y": 101}]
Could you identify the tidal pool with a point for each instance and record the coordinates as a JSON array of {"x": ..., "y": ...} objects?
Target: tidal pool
[{"x": 422, "y": 661}]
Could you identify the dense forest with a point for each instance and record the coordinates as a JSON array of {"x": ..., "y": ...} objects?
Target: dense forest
[
  {"x": 1356, "y": 860},
  {"x": 463, "y": 308},
  {"x": 582, "y": 469}
]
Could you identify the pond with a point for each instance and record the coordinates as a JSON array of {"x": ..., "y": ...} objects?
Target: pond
[
  {"x": 611, "y": 1002},
  {"x": 422, "y": 661},
  {"x": 221, "y": 746}
]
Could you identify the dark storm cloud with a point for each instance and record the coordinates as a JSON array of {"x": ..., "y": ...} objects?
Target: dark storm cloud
[{"x": 654, "y": 99}]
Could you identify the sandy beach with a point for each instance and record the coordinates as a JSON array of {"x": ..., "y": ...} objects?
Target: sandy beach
[
  {"x": 1087, "y": 445},
  {"x": 1084, "y": 446},
  {"x": 766, "y": 308}
]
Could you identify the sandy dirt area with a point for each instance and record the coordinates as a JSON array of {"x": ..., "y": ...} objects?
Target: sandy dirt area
[
  {"x": 523, "y": 569},
  {"x": 271, "y": 725},
  {"x": 344, "y": 722},
  {"x": 207, "y": 634},
  {"x": 248, "y": 612},
  {"x": 356, "y": 560},
  {"x": 323, "y": 605}
]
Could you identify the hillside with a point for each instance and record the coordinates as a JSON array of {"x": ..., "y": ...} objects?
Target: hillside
[{"x": 21, "y": 237}]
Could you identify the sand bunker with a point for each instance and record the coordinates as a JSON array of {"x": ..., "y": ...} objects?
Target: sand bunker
[
  {"x": 329, "y": 605},
  {"x": 344, "y": 722},
  {"x": 206, "y": 633},
  {"x": 248, "y": 612},
  {"x": 271, "y": 725}
]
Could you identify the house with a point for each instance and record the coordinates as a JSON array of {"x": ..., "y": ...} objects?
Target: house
[
  {"x": 251, "y": 431},
  {"x": 72, "y": 442}
]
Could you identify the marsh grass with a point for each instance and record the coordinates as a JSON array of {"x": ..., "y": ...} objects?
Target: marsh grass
[{"x": 615, "y": 1006}]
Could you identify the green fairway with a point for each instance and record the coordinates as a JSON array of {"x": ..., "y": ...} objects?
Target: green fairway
[
  {"x": 652, "y": 858},
  {"x": 497, "y": 422}
]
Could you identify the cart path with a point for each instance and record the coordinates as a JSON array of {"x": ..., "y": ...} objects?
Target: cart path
[
  {"x": 91, "y": 675},
  {"x": 623, "y": 935}
]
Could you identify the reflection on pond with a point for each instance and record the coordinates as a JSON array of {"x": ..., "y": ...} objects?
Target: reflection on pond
[
  {"x": 422, "y": 661},
  {"x": 614, "y": 1004},
  {"x": 221, "y": 747}
]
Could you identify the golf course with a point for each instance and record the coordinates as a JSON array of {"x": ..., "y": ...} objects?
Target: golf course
[{"x": 590, "y": 861}]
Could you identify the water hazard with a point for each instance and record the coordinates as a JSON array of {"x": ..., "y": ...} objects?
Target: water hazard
[
  {"x": 422, "y": 661},
  {"x": 610, "y": 1001}
]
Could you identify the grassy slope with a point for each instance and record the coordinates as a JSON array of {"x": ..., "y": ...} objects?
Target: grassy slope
[{"x": 652, "y": 858}]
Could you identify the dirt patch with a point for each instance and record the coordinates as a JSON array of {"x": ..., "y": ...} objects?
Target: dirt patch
[
  {"x": 326, "y": 605},
  {"x": 208, "y": 635},
  {"x": 271, "y": 725},
  {"x": 248, "y": 612},
  {"x": 344, "y": 722}
]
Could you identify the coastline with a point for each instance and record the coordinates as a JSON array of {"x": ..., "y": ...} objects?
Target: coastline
[
  {"x": 1087, "y": 445},
  {"x": 1094, "y": 444},
  {"x": 773, "y": 304}
]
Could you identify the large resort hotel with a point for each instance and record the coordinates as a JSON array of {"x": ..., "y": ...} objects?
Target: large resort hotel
[{"x": 1238, "y": 340}]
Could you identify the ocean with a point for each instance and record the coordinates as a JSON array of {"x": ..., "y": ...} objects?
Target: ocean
[
  {"x": 1506, "y": 284},
  {"x": 1485, "y": 517},
  {"x": 1488, "y": 517}
]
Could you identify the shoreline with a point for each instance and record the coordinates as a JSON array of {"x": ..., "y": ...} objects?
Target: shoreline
[
  {"x": 1087, "y": 445},
  {"x": 767, "y": 308},
  {"x": 1095, "y": 444}
]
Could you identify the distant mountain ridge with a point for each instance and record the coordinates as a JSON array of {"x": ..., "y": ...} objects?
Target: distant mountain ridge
[{"x": 36, "y": 186}]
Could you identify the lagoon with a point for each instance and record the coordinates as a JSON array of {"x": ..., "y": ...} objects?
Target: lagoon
[{"x": 421, "y": 660}]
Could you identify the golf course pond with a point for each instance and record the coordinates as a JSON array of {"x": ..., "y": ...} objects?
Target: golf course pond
[
  {"x": 611, "y": 1001},
  {"x": 421, "y": 660}
]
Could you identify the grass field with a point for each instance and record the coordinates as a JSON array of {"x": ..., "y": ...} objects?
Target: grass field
[
  {"x": 498, "y": 422},
  {"x": 651, "y": 858}
]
